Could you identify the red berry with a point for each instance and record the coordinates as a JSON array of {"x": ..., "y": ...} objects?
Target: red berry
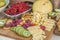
[
  {"x": 24, "y": 26},
  {"x": 18, "y": 4},
  {"x": 19, "y": 21},
  {"x": 7, "y": 11},
  {"x": 13, "y": 12},
  {"x": 22, "y": 4},
  {"x": 21, "y": 9},
  {"x": 42, "y": 27},
  {"x": 28, "y": 21}
]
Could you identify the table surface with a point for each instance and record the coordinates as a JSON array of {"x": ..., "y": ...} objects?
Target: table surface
[{"x": 55, "y": 37}]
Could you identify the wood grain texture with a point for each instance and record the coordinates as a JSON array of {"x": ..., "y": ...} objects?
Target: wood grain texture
[{"x": 12, "y": 34}]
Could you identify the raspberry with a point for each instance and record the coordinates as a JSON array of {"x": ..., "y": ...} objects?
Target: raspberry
[
  {"x": 16, "y": 8},
  {"x": 7, "y": 11},
  {"x": 42, "y": 27}
]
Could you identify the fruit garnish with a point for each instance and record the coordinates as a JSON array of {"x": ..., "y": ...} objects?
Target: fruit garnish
[
  {"x": 7, "y": 11},
  {"x": 28, "y": 21},
  {"x": 12, "y": 23},
  {"x": 53, "y": 14},
  {"x": 57, "y": 10},
  {"x": 21, "y": 31},
  {"x": 17, "y": 8},
  {"x": 27, "y": 24},
  {"x": 2, "y": 22},
  {"x": 42, "y": 27}
]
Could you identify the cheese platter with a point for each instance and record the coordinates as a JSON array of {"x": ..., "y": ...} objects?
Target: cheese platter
[{"x": 35, "y": 20}]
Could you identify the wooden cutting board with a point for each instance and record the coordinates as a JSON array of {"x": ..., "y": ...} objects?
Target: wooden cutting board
[{"x": 11, "y": 34}]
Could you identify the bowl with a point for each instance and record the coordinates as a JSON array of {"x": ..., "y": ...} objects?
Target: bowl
[
  {"x": 3, "y": 8},
  {"x": 18, "y": 15}
]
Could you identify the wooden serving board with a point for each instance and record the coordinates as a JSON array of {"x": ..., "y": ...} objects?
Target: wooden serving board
[{"x": 12, "y": 34}]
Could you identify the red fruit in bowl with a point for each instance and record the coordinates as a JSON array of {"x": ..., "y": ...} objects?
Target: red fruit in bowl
[
  {"x": 20, "y": 10},
  {"x": 7, "y": 11},
  {"x": 22, "y": 3},
  {"x": 18, "y": 4},
  {"x": 12, "y": 5},
  {"x": 17, "y": 8},
  {"x": 13, "y": 12}
]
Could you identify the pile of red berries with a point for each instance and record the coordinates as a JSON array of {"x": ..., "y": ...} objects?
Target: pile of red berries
[
  {"x": 13, "y": 23},
  {"x": 17, "y": 8},
  {"x": 42, "y": 27},
  {"x": 16, "y": 22},
  {"x": 27, "y": 24}
]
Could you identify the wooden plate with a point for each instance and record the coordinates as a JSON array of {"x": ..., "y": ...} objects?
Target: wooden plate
[{"x": 11, "y": 34}]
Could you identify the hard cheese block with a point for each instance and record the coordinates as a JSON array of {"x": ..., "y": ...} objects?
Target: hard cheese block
[{"x": 12, "y": 34}]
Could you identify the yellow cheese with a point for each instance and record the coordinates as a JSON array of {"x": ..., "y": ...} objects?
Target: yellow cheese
[
  {"x": 37, "y": 33},
  {"x": 42, "y": 6}
]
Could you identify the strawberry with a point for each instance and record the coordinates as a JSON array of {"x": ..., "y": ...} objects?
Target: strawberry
[
  {"x": 42, "y": 27},
  {"x": 7, "y": 11}
]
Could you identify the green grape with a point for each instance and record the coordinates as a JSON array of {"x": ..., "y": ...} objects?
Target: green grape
[
  {"x": 57, "y": 10},
  {"x": 53, "y": 14},
  {"x": 2, "y": 22}
]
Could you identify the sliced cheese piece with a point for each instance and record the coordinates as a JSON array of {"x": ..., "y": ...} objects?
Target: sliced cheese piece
[{"x": 37, "y": 33}]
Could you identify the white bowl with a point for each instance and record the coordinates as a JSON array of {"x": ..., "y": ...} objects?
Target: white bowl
[
  {"x": 3, "y": 8},
  {"x": 18, "y": 15},
  {"x": 15, "y": 16}
]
